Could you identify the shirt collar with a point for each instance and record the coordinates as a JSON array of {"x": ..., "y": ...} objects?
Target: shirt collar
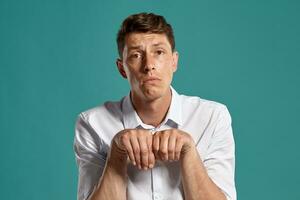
[{"x": 132, "y": 120}]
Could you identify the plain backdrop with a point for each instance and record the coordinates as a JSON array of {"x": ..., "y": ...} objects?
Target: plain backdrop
[{"x": 57, "y": 58}]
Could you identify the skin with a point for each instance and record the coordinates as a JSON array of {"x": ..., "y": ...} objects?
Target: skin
[{"x": 149, "y": 63}]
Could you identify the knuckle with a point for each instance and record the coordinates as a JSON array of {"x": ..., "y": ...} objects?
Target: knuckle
[
  {"x": 128, "y": 150},
  {"x": 165, "y": 136},
  {"x": 136, "y": 150},
  {"x": 124, "y": 137},
  {"x": 164, "y": 151},
  {"x": 150, "y": 137},
  {"x": 130, "y": 133},
  {"x": 177, "y": 151},
  {"x": 159, "y": 133},
  {"x": 144, "y": 151},
  {"x": 172, "y": 134},
  {"x": 138, "y": 132},
  {"x": 170, "y": 151},
  {"x": 180, "y": 138}
]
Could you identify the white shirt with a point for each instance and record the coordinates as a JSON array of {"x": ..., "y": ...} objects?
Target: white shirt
[{"x": 208, "y": 122}]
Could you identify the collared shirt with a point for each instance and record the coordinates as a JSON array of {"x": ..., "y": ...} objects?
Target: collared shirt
[{"x": 208, "y": 122}]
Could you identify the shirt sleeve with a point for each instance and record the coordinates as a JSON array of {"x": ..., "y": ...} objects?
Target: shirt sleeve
[
  {"x": 90, "y": 153},
  {"x": 220, "y": 158}
]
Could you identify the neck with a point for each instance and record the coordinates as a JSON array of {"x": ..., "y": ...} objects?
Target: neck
[{"x": 152, "y": 112}]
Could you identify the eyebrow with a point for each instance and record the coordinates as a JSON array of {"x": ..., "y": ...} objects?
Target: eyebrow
[
  {"x": 159, "y": 44},
  {"x": 134, "y": 47},
  {"x": 140, "y": 46}
]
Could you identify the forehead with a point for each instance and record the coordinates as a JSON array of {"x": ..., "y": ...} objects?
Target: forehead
[{"x": 146, "y": 39}]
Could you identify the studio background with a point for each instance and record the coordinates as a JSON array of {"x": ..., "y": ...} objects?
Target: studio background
[{"x": 57, "y": 58}]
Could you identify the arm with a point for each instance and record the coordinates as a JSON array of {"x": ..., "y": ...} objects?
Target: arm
[
  {"x": 174, "y": 144},
  {"x": 90, "y": 152},
  {"x": 134, "y": 144},
  {"x": 208, "y": 180},
  {"x": 216, "y": 172},
  {"x": 100, "y": 176},
  {"x": 113, "y": 182},
  {"x": 219, "y": 159},
  {"x": 196, "y": 182}
]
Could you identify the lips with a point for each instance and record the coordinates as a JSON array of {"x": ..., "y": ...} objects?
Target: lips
[{"x": 151, "y": 80}]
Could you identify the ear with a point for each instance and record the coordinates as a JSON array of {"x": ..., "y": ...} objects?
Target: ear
[
  {"x": 175, "y": 60},
  {"x": 120, "y": 66}
]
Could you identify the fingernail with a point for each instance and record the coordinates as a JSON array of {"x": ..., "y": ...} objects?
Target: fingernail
[
  {"x": 134, "y": 163},
  {"x": 145, "y": 168},
  {"x": 151, "y": 166}
]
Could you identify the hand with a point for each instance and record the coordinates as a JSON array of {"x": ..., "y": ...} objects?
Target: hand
[
  {"x": 171, "y": 144},
  {"x": 137, "y": 144}
]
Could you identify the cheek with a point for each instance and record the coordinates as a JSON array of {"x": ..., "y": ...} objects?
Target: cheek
[
  {"x": 168, "y": 75},
  {"x": 133, "y": 77},
  {"x": 168, "y": 68}
]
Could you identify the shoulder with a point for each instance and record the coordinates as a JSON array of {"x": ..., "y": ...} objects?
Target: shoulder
[
  {"x": 196, "y": 103},
  {"x": 199, "y": 110},
  {"x": 109, "y": 109},
  {"x": 102, "y": 121}
]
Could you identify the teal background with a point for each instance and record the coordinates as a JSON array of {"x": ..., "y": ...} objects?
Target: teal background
[{"x": 57, "y": 58}]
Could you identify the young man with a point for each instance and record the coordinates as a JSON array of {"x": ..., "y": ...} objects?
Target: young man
[{"x": 154, "y": 143}]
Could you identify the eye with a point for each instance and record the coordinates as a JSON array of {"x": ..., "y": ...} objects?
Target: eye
[
  {"x": 160, "y": 52},
  {"x": 136, "y": 55}
]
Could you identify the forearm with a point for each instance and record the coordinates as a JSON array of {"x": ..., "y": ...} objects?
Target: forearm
[
  {"x": 113, "y": 182},
  {"x": 196, "y": 182}
]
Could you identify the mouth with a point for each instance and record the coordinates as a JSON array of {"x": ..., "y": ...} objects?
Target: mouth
[{"x": 150, "y": 80}]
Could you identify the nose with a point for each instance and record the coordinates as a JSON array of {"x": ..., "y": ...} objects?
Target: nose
[{"x": 149, "y": 63}]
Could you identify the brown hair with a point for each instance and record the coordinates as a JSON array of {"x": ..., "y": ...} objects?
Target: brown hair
[{"x": 144, "y": 23}]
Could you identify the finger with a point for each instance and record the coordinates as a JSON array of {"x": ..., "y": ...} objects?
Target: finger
[
  {"x": 151, "y": 160},
  {"x": 136, "y": 151},
  {"x": 155, "y": 145},
  {"x": 143, "y": 151},
  {"x": 171, "y": 147},
  {"x": 178, "y": 148},
  {"x": 163, "y": 146},
  {"x": 128, "y": 148}
]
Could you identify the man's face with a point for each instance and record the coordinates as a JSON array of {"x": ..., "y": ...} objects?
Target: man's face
[{"x": 148, "y": 63}]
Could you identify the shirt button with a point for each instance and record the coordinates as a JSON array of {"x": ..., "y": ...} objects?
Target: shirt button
[{"x": 158, "y": 196}]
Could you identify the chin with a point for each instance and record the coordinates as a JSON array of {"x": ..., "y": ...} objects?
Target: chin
[{"x": 153, "y": 93}]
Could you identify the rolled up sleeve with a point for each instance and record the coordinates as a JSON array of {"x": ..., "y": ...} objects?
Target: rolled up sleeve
[
  {"x": 90, "y": 152},
  {"x": 220, "y": 158}
]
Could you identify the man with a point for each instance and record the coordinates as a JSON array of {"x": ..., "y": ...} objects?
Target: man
[{"x": 154, "y": 143}]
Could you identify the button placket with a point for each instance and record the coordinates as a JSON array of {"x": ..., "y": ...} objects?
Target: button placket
[
  {"x": 152, "y": 181},
  {"x": 155, "y": 195}
]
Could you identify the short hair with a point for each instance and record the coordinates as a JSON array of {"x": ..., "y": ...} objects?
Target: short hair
[{"x": 144, "y": 23}]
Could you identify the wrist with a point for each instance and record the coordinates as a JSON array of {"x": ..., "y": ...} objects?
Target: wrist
[
  {"x": 189, "y": 151},
  {"x": 117, "y": 158},
  {"x": 117, "y": 154}
]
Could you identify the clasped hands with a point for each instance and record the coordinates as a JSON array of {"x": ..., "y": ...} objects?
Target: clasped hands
[{"x": 143, "y": 148}]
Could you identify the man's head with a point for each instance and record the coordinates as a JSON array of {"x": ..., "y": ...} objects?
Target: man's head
[
  {"x": 144, "y": 23},
  {"x": 147, "y": 57}
]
